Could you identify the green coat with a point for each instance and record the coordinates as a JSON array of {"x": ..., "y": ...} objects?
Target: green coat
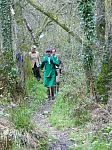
[{"x": 49, "y": 64}]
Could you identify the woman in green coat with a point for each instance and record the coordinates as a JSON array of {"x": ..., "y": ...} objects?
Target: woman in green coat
[{"x": 49, "y": 64}]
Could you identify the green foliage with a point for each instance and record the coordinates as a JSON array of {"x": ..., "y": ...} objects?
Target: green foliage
[
  {"x": 12, "y": 79},
  {"x": 15, "y": 147},
  {"x": 88, "y": 58},
  {"x": 80, "y": 115},
  {"x": 18, "y": 14},
  {"x": 27, "y": 68},
  {"x": 101, "y": 145},
  {"x": 102, "y": 140},
  {"x": 95, "y": 146},
  {"x": 20, "y": 116},
  {"x": 60, "y": 114},
  {"x": 42, "y": 144},
  {"x": 87, "y": 140},
  {"x": 69, "y": 109},
  {"x": 102, "y": 83},
  {"x": 86, "y": 10},
  {"x": 10, "y": 82},
  {"x": 36, "y": 92}
]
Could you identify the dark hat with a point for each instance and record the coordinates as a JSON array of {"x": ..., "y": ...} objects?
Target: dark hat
[{"x": 48, "y": 50}]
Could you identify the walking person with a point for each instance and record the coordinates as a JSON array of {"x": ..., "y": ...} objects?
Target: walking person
[
  {"x": 49, "y": 63},
  {"x": 35, "y": 59},
  {"x": 59, "y": 70}
]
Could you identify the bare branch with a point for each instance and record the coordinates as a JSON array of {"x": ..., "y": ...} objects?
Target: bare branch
[
  {"x": 46, "y": 22},
  {"x": 55, "y": 19},
  {"x": 31, "y": 32}
]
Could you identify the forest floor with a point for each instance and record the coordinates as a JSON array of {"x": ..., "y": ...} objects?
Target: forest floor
[
  {"x": 53, "y": 118},
  {"x": 61, "y": 139},
  {"x": 58, "y": 140}
]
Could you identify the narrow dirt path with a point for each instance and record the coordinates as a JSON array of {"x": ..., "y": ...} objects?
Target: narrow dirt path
[{"x": 58, "y": 140}]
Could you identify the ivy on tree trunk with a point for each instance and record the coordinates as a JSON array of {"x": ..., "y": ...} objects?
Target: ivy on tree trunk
[
  {"x": 8, "y": 68},
  {"x": 6, "y": 24},
  {"x": 87, "y": 20}
]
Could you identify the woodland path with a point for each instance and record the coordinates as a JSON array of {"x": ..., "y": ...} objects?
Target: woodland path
[{"x": 59, "y": 139}]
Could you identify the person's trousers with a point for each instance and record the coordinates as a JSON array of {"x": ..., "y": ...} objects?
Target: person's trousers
[
  {"x": 56, "y": 88},
  {"x": 50, "y": 92},
  {"x": 36, "y": 72}
]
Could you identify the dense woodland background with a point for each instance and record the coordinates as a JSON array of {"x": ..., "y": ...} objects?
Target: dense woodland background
[{"x": 81, "y": 32}]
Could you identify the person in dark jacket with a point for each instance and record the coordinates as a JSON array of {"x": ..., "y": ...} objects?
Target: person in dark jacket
[{"x": 59, "y": 70}]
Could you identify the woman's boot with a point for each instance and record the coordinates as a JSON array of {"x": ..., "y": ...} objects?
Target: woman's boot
[
  {"x": 57, "y": 87},
  {"x": 52, "y": 93},
  {"x": 48, "y": 93}
]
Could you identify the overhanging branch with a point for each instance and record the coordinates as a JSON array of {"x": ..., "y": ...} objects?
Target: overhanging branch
[
  {"x": 31, "y": 32},
  {"x": 55, "y": 19},
  {"x": 46, "y": 22}
]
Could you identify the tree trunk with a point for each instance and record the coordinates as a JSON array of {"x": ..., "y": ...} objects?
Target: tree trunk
[
  {"x": 86, "y": 11},
  {"x": 88, "y": 67},
  {"x": 108, "y": 39},
  {"x": 100, "y": 22},
  {"x": 9, "y": 70},
  {"x": 104, "y": 78},
  {"x": 6, "y": 24},
  {"x": 6, "y": 32}
]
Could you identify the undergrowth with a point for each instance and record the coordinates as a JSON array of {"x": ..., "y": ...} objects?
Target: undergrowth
[
  {"x": 21, "y": 115},
  {"x": 86, "y": 139},
  {"x": 70, "y": 109}
]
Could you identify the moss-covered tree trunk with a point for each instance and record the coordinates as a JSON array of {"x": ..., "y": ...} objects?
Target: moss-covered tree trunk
[
  {"x": 6, "y": 31},
  {"x": 88, "y": 67},
  {"x": 108, "y": 34},
  {"x": 100, "y": 21},
  {"x": 105, "y": 75},
  {"x": 86, "y": 9},
  {"x": 6, "y": 24},
  {"x": 9, "y": 71},
  {"x": 108, "y": 39}
]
